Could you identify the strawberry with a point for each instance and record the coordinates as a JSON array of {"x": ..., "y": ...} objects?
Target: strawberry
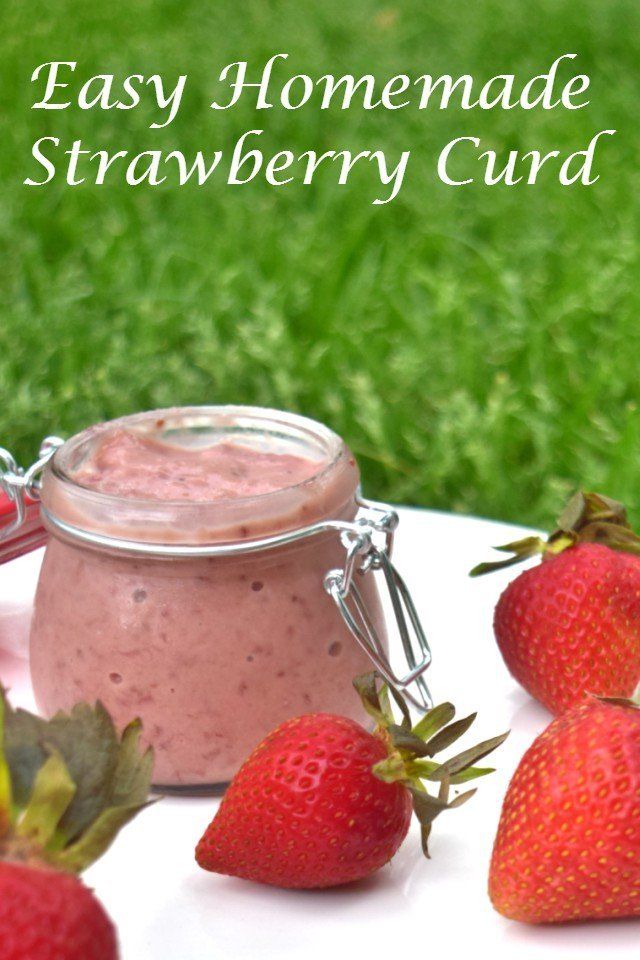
[
  {"x": 571, "y": 625},
  {"x": 45, "y": 914},
  {"x": 568, "y": 843},
  {"x": 322, "y": 802},
  {"x": 66, "y": 786}
]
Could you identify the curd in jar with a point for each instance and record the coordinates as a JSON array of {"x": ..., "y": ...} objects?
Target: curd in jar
[{"x": 211, "y": 652}]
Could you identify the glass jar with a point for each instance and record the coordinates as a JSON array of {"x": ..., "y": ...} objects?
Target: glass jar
[{"x": 212, "y": 614}]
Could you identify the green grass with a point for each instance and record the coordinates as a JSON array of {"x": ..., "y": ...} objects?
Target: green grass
[{"x": 478, "y": 347}]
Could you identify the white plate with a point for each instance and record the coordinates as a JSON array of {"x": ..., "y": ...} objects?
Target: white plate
[
  {"x": 167, "y": 909},
  {"x": 17, "y": 587}
]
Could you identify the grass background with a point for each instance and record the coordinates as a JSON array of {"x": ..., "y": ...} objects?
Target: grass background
[{"x": 478, "y": 347}]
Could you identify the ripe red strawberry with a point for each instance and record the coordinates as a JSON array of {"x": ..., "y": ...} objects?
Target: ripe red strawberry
[
  {"x": 66, "y": 786},
  {"x": 568, "y": 843},
  {"x": 46, "y": 915},
  {"x": 571, "y": 625},
  {"x": 322, "y": 802}
]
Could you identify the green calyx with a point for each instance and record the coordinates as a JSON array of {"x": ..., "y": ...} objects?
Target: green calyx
[
  {"x": 587, "y": 518},
  {"x": 411, "y": 749},
  {"x": 67, "y": 784}
]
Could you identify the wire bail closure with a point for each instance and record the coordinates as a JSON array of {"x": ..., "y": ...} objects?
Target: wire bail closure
[
  {"x": 377, "y": 522},
  {"x": 22, "y": 485}
]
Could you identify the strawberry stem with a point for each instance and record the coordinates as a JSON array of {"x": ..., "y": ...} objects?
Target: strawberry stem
[
  {"x": 53, "y": 791},
  {"x": 587, "y": 518},
  {"x": 67, "y": 784},
  {"x": 409, "y": 747}
]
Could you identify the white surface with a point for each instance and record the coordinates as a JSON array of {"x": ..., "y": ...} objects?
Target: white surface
[
  {"x": 17, "y": 587},
  {"x": 167, "y": 909}
]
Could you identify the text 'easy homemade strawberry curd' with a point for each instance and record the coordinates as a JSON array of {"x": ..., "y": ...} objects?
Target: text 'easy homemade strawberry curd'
[{"x": 148, "y": 602}]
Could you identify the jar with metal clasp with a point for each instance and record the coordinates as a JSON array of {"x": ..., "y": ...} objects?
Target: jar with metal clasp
[{"x": 212, "y": 570}]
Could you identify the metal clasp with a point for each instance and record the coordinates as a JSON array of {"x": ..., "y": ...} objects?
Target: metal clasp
[
  {"x": 21, "y": 485},
  {"x": 368, "y": 546}
]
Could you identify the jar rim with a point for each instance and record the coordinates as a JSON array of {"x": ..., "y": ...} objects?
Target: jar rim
[
  {"x": 313, "y": 428},
  {"x": 324, "y": 494}
]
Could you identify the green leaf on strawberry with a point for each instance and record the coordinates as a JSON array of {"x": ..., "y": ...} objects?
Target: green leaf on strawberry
[
  {"x": 587, "y": 518},
  {"x": 67, "y": 784},
  {"x": 408, "y": 747}
]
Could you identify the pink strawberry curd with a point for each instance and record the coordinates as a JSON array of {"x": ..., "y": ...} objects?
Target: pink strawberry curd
[
  {"x": 125, "y": 464},
  {"x": 210, "y": 651}
]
